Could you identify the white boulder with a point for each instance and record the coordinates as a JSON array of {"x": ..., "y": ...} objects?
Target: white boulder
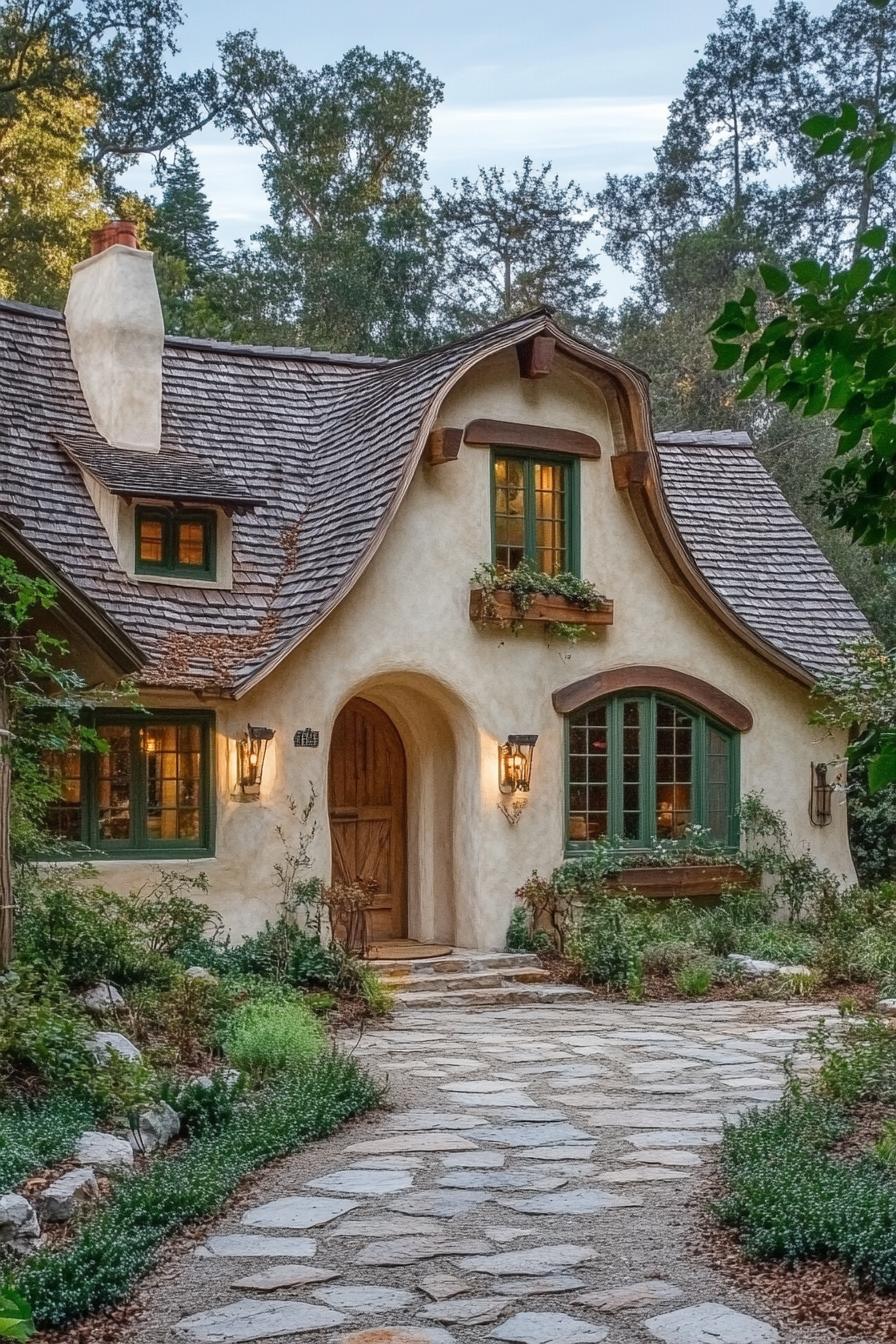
[
  {"x": 103, "y": 1043},
  {"x": 19, "y": 1228},
  {"x": 102, "y": 998},
  {"x": 886, "y": 1006},
  {"x": 105, "y": 1152},
  {"x": 61, "y": 1201},
  {"x": 753, "y": 966},
  {"x": 157, "y": 1125},
  {"x": 200, "y": 973}
]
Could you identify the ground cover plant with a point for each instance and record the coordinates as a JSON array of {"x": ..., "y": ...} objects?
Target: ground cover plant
[
  {"x": 813, "y": 1177},
  {"x": 114, "y": 1247},
  {"x": 824, "y": 936}
]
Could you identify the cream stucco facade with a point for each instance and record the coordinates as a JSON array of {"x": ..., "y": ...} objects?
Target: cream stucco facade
[{"x": 402, "y": 638}]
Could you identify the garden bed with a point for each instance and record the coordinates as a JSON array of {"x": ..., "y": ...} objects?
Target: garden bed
[
  {"x": 157, "y": 1065},
  {"x": 807, "y": 1189}
]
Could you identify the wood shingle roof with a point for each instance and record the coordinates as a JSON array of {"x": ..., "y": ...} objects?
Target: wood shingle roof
[{"x": 324, "y": 447}]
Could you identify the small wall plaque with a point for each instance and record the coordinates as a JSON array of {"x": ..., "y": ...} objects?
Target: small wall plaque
[{"x": 306, "y": 737}]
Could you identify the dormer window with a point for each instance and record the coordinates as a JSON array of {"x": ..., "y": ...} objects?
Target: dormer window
[{"x": 174, "y": 543}]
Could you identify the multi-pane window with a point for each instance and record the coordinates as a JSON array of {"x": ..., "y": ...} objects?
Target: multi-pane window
[
  {"x": 533, "y": 512},
  {"x": 149, "y": 791},
  {"x": 181, "y": 545},
  {"x": 643, "y": 768}
]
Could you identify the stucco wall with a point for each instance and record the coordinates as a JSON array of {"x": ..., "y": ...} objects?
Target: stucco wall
[{"x": 404, "y": 639}]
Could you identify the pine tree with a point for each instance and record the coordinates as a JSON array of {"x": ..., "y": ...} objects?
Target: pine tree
[
  {"x": 512, "y": 246},
  {"x": 182, "y": 226}
]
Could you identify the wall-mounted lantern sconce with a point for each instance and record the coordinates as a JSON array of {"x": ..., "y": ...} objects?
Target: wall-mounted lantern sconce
[
  {"x": 821, "y": 792},
  {"x": 252, "y": 749},
  {"x": 515, "y": 772}
]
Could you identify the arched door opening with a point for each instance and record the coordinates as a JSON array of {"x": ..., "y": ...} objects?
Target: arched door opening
[{"x": 368, "y": 812}]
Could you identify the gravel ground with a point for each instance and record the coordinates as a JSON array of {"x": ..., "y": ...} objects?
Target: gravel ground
[{"x": 588, "y": 1066}]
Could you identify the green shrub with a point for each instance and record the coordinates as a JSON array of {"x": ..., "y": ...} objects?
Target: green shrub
[
  {"x": 694, "y": 979},
  {"x": 314, "y": 966},
  {"x": 378, "y": 997},
  {"x": 265, "y": 1039},
  {"x": 16, "y": 1321},
  {"x": 203, "y": 1106},
  {"x": 83, "y": 933},
  {"x": 38, "y": 1133},
  {"x": 860, "y": 1066},
  {"x": 668, "y": 958},
  {"x": 112, "y": 1249},
  {"x": 42, "y": 1031},
  {"x": 604, "y": 941},
  {"x": 791, "y": 944},
  {"x": 790, "y": 1199},
  {"x": 520, "y": 935}
]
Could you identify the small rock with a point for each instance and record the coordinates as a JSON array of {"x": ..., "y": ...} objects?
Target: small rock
[
  {"x": 103, "y": 1043},
  {"x": 200, "y": 973},
  {"x": 19, "y": 1228},
  {"x": 60, "y": 1201},
  {"x": 753, "y": 966},
  {"x": 157, "y": 1125},
  {"x": 102, "y": 998},
  {"x": 795, "y": 970},
  {"x": 105, "y": 1152},
  {"x": 887, "y": 1005}
]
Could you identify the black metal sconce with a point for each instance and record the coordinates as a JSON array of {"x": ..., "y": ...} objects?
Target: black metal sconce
[
  {"x": 253, "y": 748},
  {"x": 821, "y": 793},
  {"x": 515, "y": 762}
]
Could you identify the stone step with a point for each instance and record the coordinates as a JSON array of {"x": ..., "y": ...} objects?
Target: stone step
[
  {"x": 518, "y": 975},
  {"x": 489, "y": 998},
  {"x": 457, "y": 963}
]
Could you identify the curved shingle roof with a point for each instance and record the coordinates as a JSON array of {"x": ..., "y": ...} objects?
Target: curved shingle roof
[{"x": 328, "y": 444}]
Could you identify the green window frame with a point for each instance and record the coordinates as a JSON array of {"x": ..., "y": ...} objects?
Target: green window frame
[
  {"x": 149, "y": 796},
  {"x": 175, "y": 534},
  {"x": 536, "y": 498},
  {"x": 642, "y": 766}
]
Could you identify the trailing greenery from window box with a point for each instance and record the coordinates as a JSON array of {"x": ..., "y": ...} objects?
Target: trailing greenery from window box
[
  {"x": 527, "y": 582},
  {"x": 114, "y": 1248}
]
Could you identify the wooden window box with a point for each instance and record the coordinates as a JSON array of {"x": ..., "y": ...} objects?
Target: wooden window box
[
  {"x": 498, "y": 608},
  {"x": 686, "y": 879}
]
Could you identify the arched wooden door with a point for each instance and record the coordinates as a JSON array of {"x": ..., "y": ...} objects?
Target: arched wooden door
[{"x": 368, "y": 812}]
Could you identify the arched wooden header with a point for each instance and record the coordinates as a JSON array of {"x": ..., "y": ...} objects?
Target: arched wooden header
[{"x": 641, "y": 677}]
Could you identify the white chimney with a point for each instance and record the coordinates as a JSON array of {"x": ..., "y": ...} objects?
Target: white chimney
[{"x": 116, "y": 333}]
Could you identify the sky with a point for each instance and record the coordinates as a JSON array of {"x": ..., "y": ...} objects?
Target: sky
[{"x": 585, "y": 85}]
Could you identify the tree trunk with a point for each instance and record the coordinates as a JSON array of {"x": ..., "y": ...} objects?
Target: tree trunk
[{"x": 7, "y": 910}]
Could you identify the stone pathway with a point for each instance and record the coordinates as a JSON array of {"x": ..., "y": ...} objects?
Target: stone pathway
[{"x": 535, "y": 1183}]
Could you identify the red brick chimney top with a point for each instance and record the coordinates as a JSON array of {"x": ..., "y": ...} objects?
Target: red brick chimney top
[{"x": 119, "y": 231}]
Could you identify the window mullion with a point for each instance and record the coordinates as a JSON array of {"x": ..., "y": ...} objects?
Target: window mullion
[
  {"x": 138, "y": 788},
  {"x": 648, "y": 770},
  {"x": 529, "y": 510},
  {"x": 699, "y": 783},
  {"x": 614, "y": 768}
]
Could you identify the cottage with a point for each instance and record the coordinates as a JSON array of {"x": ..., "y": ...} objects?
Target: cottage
[{"x": 289, "y": 537}]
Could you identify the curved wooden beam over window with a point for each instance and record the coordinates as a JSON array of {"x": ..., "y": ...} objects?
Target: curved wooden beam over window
[
  {"x": 540, "y": 438},
  {"x": 642, "y": 677}
]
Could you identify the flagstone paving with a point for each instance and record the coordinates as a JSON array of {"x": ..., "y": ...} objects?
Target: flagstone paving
[{"x": 537, "y": 1181}]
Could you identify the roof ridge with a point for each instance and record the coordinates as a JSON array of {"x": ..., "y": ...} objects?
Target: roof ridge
[{"x": 31, "y": 309}]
